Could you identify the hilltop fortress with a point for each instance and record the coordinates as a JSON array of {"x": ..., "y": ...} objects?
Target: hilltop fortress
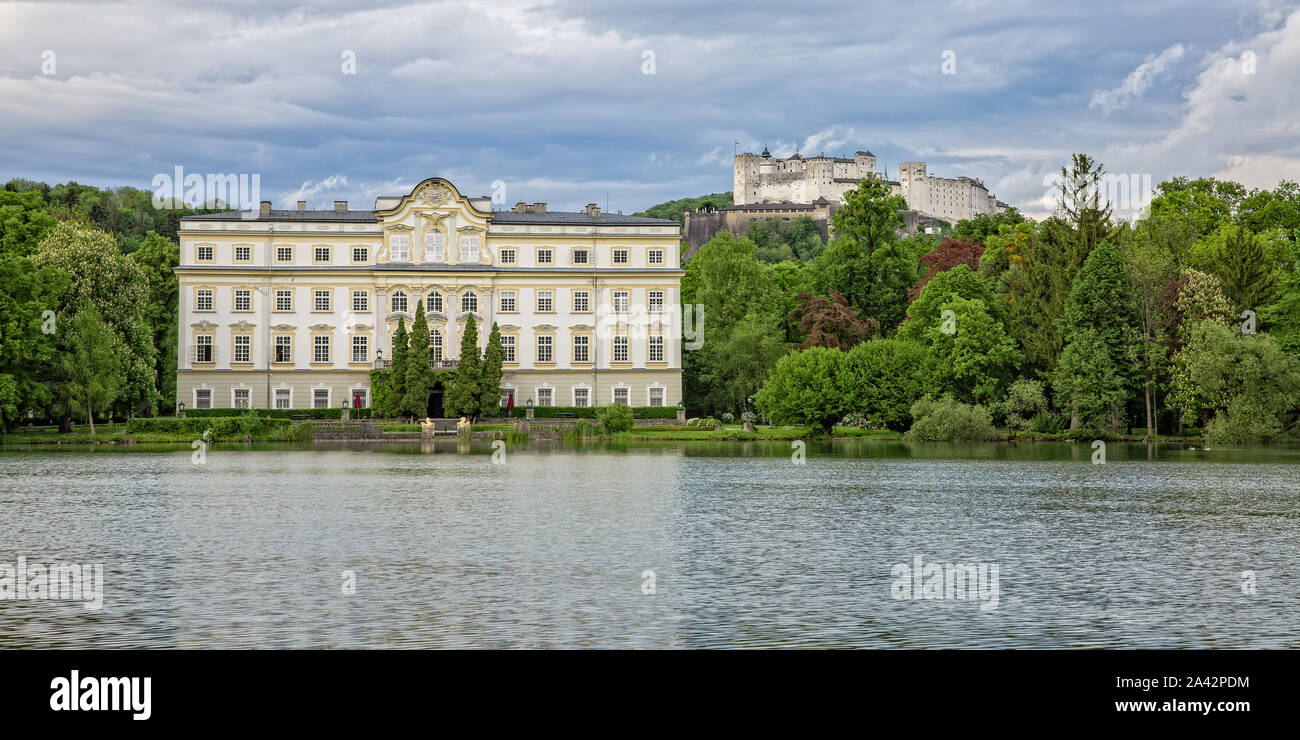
[
  {"x": 772, "y": 189},
  {"x": 762, "y": 178}
]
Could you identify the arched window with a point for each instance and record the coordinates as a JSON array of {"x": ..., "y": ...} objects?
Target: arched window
[
  {"x": 434, "y": 303},
  {"x": 469, "y": 302},
  {"x": 435, "y": 345},
  {"x": 399, "y": 302}
]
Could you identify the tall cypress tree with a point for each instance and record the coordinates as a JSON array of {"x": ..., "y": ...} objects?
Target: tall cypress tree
[
  {"x": 397, "y": 373},
  {"x": 490, "y": 382},
  {"x": 1100, "y": 313},
  {"x": 463, "y": 397},
  {"x": 419, "y": 378}
]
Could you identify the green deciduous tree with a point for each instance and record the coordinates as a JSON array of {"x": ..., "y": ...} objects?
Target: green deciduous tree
[
  {"x": 977, "y": 359},
  {"x": 888, "y": 376},
  {"x": 810, "y": 387},
  {"x": 117, "y": 288},
  {"x": 91, "y": 366}
]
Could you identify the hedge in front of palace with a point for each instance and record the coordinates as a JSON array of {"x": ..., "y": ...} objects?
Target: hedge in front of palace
[
  {"x": 330, "y": 413},
  {"x": 585, "y": 412},
  {"x": 227, "y": 427}
]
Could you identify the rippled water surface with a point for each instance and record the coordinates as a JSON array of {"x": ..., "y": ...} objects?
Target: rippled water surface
[{"x": 748, "y": 549}]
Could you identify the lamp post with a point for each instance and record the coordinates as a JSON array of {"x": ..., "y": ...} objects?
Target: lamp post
[
  {"x": 681, "y": 413},
  {"x": 180, "y": 409},
  {"x": 528, "y": 412}
]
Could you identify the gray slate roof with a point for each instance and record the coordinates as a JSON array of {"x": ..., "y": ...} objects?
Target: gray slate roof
[{"x": 499, "y": 217}]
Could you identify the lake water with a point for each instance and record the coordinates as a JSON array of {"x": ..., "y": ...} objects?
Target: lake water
[{"x": 551, "y": 547}]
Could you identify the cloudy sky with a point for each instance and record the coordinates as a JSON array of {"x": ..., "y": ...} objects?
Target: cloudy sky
[{"x": 633, "y": 103}]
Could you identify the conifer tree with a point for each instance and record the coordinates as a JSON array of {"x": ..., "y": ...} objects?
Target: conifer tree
[
  {"x": 463, "y": 397},
  {"x": 419, "y": 378},
  {"x": 397, "y": 373},
  {"x": 490, "y": 381}
]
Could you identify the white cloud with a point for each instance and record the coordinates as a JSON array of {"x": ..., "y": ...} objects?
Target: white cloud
[{"x": 1137, "y": 82}]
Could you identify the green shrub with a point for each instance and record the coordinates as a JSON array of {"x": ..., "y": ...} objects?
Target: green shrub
[
  {"x": 1024, "y": 403},
  {"x": 585, "y": 412},
  {"x": 947, "y": 420},
  {"x": 614, "y": 419},
  {"x": 222, "y": 427},
  {"x": 728, "y": 418}
]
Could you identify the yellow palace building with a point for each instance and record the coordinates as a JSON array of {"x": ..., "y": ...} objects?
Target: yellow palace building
[{"x": 294, "y": 308}]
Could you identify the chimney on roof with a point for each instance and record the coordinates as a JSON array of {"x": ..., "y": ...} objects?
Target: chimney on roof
[
  {"x": 593, "y": 210},
  {"x": 340, "y": 205},
  {"x": 266, "y": 208},
  {"x": 521, "y": 207},
  {"x": 302, "y": 205},
  {"x": 536, "y": 208}
]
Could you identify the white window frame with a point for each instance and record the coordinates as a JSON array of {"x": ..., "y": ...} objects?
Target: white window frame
[
  {"x": 549, "y": 345},
  {"x": 619, "y": 257},
  {"x": 401, "y": 247},
  {"x": 234, "y": 397},
  {"x": 583, "y": 342},
  {"x": 317, "y": 344},
  {"x": 360, "y": 301},
  {"x": 288, "y": 397},
  {"x": 392, "y": 302},
  {"x": 508, "y": 348},
  {"x": 545, "y": 301},
  {"x": 247, "y": 296},
  {"x": 247, "y": 342},
  {"x": 200, "y": 295},
  {"x": 275, "y": 348},
  {"x": 507, "y": 301},
  {"x": 317, "y": 294},
  {"x": 585, "y": 297},
  {"x": 208, "y": 391},
  {"x": 469, "y": 248},
  {"x": 435, "y": 247},
  {"x": 621, "y": 342},
  {"x": 468, "y": 296},
  {"x": 364, "y": 347},
  {"x": 329, "y": 397},
  {"x": 586, "y": 396},
  {"x": 286, "y": 294}
]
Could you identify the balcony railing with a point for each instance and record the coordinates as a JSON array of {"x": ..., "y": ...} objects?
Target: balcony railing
[{"x": 387, "y": 364}]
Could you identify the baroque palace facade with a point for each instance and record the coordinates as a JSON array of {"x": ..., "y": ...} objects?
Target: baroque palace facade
[{"x": 294, "y": 308}]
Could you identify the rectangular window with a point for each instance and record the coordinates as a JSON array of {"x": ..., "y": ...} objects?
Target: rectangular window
[
  {"x": 581, "y": 301},
  {"x": 545, "y": 301},
  {"x": 282, "y": 398},
  {"x": 620, "y": 300},
  {"x": 508, "y": 301},
  {"x": 655, "y": 256},
  {"x": 203, "y": 348},
  {"x": 656, "y": 349},
  {"x": 203, "y": 398},
  {"x": 435, "y": 249},
  {"x": 321, "y": 349},
  {"x": 242, "y": 398},
  {"x": 656, "y": 300},
  {"x": 620, "y": 349},
  {"x": 320, "y": 398},
  {"x": 545, "y": 349},
  {"x": 581, "y": 396},
  {"x": 320, "y": 300},
  {"x": 284, "y": 300},
  {"x": 620, "y": 256},
  {"x": 360, "y": 301},
  {"x": 284, "y": 349},
  {"x": 580, "y": 256},
  {"x": 401, "y": 247},
  {"x": 545, "y": 396},
  {"x": 582, "y": 349},
  {"x": 544, "y": 256},
  {"x": 656, "y": 396},
  {"x": 205, "y": 252},
  {"x": 243, "y": 253},
  {"x": 620, "y": 396},
  {"x": 321, "y": 254},
  {"x": 360, "y": 254},
  {"x": 243, "y": 349},
  {"x": 203, "y": 300},
  {"x": 284, "y": 254},
  {"x": 243, "y": 300},
  {"x": 506, "y": 395},
  {"x": 469, "y": 249},
  {"x": 507, "y": 256},
  {"x": 508, "y": 348},
  {"x": 361, "y": 398},
  {"x": 361, "y": 349}
]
